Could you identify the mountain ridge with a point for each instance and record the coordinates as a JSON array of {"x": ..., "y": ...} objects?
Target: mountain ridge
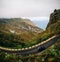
[{"x": 21, "y": 30}]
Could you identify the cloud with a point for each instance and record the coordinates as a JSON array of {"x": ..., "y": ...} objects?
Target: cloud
[
  {"x": 27, "y": 8},
  {"x": 37, "y": 18}
]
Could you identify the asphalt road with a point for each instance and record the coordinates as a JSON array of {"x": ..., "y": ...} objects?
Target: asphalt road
[{"x": 34, "y": 49}]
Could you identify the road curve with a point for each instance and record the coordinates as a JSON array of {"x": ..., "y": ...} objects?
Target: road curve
[{"x": 34, "y": 49}]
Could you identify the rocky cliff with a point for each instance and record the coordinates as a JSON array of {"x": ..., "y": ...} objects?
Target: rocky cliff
[
  {"x": 54, "y": 17},
  {"x": 54, "y": 24}
]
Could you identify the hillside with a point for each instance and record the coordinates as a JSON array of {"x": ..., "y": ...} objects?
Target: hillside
[
  {"x": 17, "y": 31},
  {"x": 19, "y": 24}
]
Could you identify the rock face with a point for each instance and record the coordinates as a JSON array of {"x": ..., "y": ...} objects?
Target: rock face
[
  {"x": 54, "y": 24},
  {"x": 25, "y": 28},
  {"x": 54, "y": 17}
]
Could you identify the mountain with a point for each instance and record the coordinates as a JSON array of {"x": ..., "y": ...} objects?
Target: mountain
[
  {"x": 19, "y": 25},
  {"x": 54, "y": 17},
  {"x": 54, "y": 23},
  {"x": 19, "y": 31},
  {"x": 29, "y": 22}
]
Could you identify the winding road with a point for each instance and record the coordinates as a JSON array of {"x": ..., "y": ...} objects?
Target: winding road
[{"x": 34, "y": 49}]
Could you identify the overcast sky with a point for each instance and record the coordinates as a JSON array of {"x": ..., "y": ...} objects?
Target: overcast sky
[
  {"x": 27, "y": 8},
  {"x": 36, "y": 10}
]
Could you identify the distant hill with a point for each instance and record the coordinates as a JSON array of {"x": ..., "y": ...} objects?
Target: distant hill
[
  {"x": 19, "y": 25},
  {"x": 17, "y": 31}
]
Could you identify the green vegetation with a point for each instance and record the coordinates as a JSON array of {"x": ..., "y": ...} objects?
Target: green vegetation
[
  {"x": 11, "y": 40},
  {"x": 15, "y": 41},
  {"x": 51, "y": 54},
  {"x": 17, "y": 32},
  {"x": 27, "y": 39}
]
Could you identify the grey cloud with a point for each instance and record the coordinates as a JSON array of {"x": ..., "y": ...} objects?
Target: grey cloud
[{"x": 28, "y": 8}]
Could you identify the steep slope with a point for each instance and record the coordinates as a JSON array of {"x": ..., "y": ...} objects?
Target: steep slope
[
  {"x": 54, "y": 23},
  {"x": 54, "y": 17},
  {"x": 17, "y": 31}
]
